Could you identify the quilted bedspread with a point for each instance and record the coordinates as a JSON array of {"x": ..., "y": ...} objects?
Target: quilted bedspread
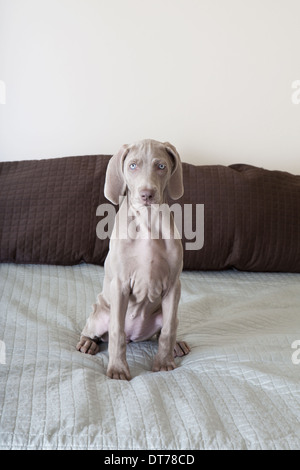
[{"x": 237, "y": 389}]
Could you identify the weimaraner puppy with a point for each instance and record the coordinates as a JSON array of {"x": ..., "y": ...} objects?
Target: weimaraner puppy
[{"x": 141, "y": 288}]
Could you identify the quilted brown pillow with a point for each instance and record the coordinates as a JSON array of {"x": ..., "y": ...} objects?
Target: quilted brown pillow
[
  {"x": 251, "y": 218},
  {"x": 48, "y": 210},
  {"x": 251, "y": 215}
]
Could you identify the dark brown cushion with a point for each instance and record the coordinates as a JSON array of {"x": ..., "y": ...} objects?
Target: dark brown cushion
[
  {"x": 48, "y": 210},
  {"x": 251, "y": 215},
  {"x": 251, "y": 218}
]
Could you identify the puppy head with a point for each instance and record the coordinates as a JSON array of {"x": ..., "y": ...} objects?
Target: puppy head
[{"x": 146, "y": 170}]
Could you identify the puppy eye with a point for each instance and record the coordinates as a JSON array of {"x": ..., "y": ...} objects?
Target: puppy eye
[
  {"x": 132, "y": 166},
  {"x": 161, "y": 166}
]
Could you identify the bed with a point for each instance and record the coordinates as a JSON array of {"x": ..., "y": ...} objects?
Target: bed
[{"x": 239, "y": 312}]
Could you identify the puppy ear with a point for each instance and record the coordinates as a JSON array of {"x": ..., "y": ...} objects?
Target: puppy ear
[
  {"x": 115, "y": 185},
  {"x": 175, "y": 185}
]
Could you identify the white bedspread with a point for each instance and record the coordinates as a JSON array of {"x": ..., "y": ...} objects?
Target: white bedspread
[{"x": 237, "y": 389}]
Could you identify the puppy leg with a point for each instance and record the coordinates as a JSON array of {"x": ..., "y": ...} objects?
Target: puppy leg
[
  {"x": 96, "y": 326},
  {"x": 181, "y": 348},
  {"x": 117, "y": 364},
  {"x": 164, "y": 359}
]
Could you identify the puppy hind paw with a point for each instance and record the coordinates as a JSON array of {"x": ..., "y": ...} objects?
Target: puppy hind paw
[
  {"x": 87, "y": 346},
  {"x": 181, "y": 349}
]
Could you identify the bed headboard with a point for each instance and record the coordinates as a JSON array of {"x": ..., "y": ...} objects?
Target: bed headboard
[{"x": 251, "y": 215}]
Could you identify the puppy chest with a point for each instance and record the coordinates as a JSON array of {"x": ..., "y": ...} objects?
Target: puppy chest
[{"x": 149, "y": 281}]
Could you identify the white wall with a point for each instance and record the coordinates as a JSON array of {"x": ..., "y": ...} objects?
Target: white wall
[{"x": 214, "y": 77}]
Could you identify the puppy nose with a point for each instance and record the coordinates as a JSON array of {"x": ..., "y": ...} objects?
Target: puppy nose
[{"x": 147, "y": 195}]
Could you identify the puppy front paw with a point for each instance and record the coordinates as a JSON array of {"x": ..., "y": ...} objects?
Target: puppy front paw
[
  {"x": 163, "y": 364},
  {"x": 118, "y": 371}
]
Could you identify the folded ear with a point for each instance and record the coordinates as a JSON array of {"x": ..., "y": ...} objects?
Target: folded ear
[
  {"x": 175, "y": 185},
  {"x": 114, "y": 180}
]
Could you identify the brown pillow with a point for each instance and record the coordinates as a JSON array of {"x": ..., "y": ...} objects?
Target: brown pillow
[
  {"x": 48, "y": 210},
  {"x": 251, "y": 215},
  {"x": 251, "y": 218}
]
